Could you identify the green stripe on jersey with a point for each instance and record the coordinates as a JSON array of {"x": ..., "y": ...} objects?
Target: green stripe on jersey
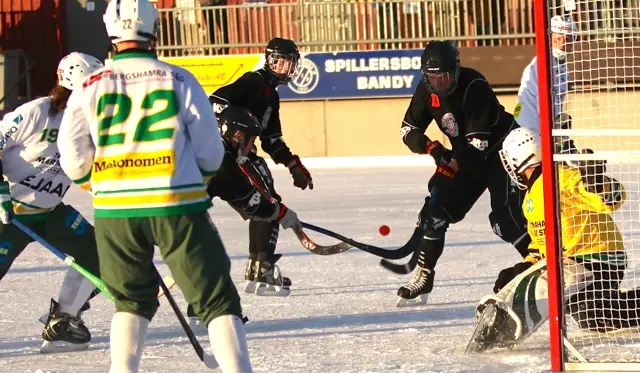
[
  {"x": 177, "y": 187},
  {"x": 153, "y": 211}
]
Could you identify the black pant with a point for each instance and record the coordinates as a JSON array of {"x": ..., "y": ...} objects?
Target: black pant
[
  {"x": 451, "y": 199},
  {"x": 64, "y": 228},
  {"x": 601, "y": 306},
  {"x": 263, "y": 235}
]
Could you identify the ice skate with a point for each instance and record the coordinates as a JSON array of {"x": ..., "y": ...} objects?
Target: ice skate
[
  {"x": 85, "y": 307},
  {"x": 64, "y": 332},
  {"x": 269, "y": 280},
  {"x": 250, "y": 274},
  {"x": 417, "y": 291}
]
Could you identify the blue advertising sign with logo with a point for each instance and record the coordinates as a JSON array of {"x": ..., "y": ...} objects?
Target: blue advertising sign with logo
[{"x": 355, "y": 75}]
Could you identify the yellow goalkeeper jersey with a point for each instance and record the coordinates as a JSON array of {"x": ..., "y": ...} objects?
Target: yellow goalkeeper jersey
[{"x": 588, "y": 230}]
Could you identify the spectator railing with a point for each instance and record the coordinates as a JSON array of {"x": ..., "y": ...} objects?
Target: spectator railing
[{"x": 316, "y": 25}]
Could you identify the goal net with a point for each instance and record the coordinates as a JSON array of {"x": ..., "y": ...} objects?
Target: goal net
[{"x": 596, "y": 106}]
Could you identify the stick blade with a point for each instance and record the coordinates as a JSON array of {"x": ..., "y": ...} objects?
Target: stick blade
[
  {"x": 402, "y": 269},
  {"x": 311, "y": 246}
]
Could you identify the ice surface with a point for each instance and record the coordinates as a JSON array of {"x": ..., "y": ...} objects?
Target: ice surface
[{"x": 341, "y": 316}]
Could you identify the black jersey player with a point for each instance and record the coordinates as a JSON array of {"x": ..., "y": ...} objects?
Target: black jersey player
[
  {"x": 256, "y": 91},
  {"x": 467, "y": 111},
  {"x": 235, "y": 182}
]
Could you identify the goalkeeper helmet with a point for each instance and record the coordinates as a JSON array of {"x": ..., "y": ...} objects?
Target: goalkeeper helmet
[
  {"x": 131, "y": 20},
  {"x": 564, "y": 31},
  {"x": 239, "y": 128},
  {"x": 75, "y": 68},
  {"x": 282, "y": 59},
  {"x": 521, "y": 149},
  {"x": 440, "y": 67}
]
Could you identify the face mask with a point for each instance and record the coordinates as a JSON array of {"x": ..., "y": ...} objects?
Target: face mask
[{"x": 441, "y": 82}]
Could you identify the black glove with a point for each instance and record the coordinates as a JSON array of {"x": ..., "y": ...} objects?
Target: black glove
[
  {"x": 592, "y": 172},
  {"x": 301, "y": 176},
  {"x": 508, "y": 274},
  {"x": 439, "y": 153}
]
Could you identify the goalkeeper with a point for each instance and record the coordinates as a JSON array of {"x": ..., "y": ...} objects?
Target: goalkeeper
[{"x": 593, "y": 251}]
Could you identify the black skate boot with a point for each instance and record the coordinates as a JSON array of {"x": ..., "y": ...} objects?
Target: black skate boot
[
  {"x": 417, "y": 291},
  {"x": 250, "y": 274},
  {"x": 268, "y": 278},
  {"x": 64, "y": 332},
  {"x": 85, "y": 307}
]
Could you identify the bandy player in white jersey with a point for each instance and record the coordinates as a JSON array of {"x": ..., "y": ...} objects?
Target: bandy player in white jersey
[
  {"x": 32, "y": 193},
  {"x": 142, "y": 136},
  {"x": 527, "y": 110}
]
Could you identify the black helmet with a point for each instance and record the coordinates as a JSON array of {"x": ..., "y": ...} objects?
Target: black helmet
[
  {"x": 440, "y": 66},
  {"x": 237, "y": 125},
  {"x": 282, "y": 58}
]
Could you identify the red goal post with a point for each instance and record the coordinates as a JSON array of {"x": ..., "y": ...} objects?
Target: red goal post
[{"x": 603, "y": 98}]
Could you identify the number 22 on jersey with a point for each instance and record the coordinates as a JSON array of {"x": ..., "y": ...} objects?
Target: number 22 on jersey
[{"x": 115, "y": 109}]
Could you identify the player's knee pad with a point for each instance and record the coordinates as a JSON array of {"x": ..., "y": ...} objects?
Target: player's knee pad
[
  {"x": 433, "y": 219},
  {"x": 508, "y": 224},
  {"x": 435, "y": 228},
  {"x": 524, "y": 299},
  {"x": 436, "y": 224}
]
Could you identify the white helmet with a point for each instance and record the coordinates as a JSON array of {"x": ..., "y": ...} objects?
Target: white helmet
[
  {"x": 564, "y": 26},
  {"x": 130, "y": 20},
  {"x": 75, "y": 67},
  {"x": 520, "y": 150}
]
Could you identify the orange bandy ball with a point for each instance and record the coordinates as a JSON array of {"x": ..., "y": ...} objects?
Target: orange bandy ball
[{"x": 384, "y": 230}]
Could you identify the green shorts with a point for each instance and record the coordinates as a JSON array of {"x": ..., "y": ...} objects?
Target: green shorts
[{"x": 191, "y": 248}]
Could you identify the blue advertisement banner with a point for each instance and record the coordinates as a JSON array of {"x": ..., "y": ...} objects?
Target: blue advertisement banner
[{"x": 364, "y": 74}]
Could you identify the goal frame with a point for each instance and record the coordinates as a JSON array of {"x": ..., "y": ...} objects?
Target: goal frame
[
  {"x": 558, "y": 344},
  {"x": 554, "y": 255}
]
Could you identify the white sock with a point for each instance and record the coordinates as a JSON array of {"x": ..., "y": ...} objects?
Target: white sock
[
  {"x": 74, "y": 292},
  {"x": 229, "y": 344},
  {"x": 128, "y": 333}
]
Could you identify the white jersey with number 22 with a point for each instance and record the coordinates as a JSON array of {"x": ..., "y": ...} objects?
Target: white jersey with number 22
[{"x": 141, "y": 135}]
